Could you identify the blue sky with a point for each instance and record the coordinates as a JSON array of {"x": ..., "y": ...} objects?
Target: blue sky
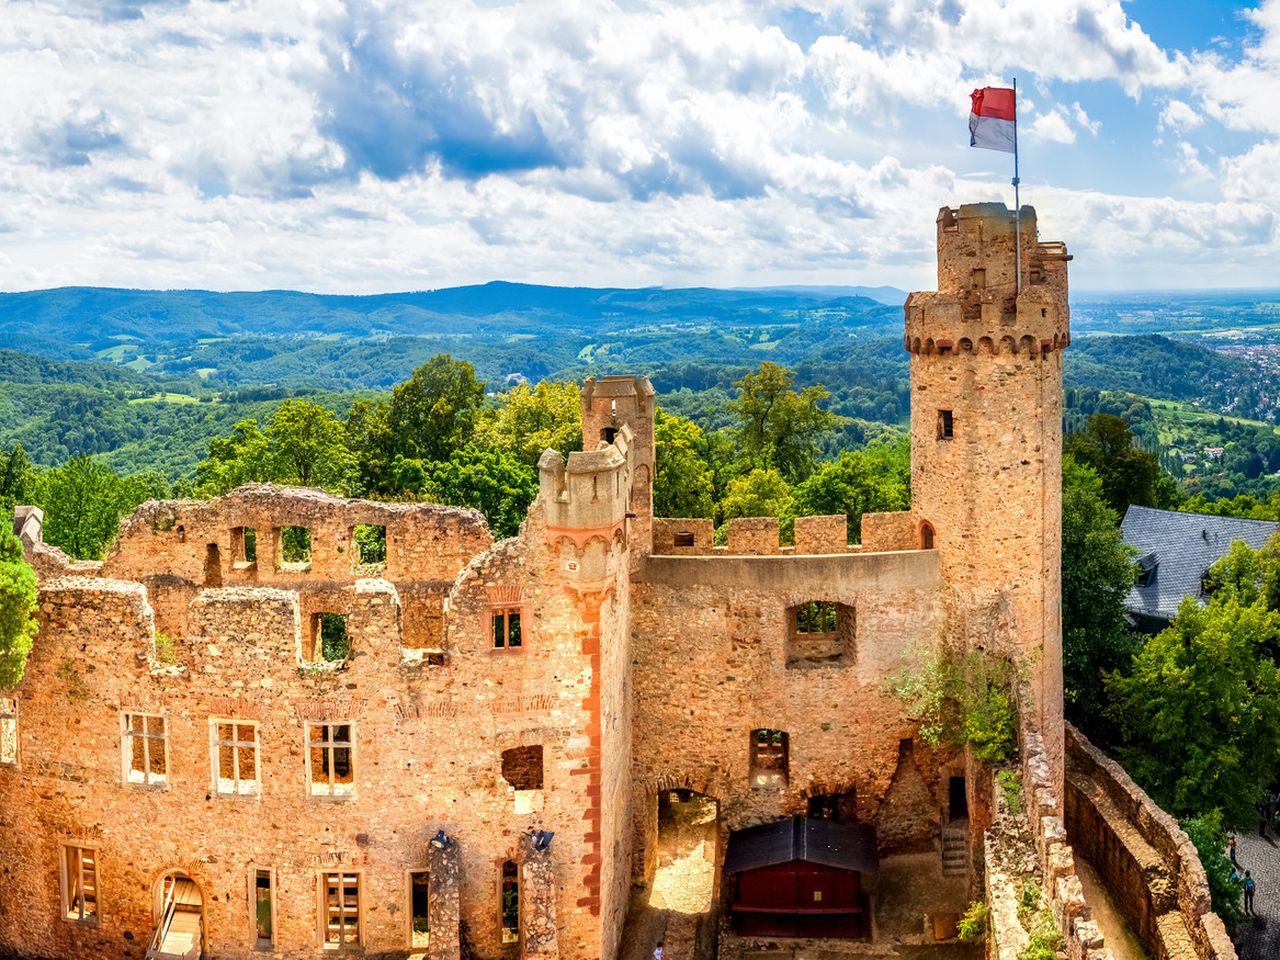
[{"x": 401, "y": 144}]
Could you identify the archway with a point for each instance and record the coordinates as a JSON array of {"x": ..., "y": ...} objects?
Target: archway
[
  {"x": 688, "y": 834},
  {"x": 177, "y": 912}
]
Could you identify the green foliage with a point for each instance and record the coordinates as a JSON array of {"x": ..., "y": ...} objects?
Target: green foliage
[
  {"x": 371, "y": 544},
  {"x": 962, "y": 700},
  {"x": 17, "y": 609},
  {"x": 1098, "y": 571},
  {"x": 683, "y": 483},
  {"x": 1029, "y": 897},
  {"x": 433, "y": 413},
  {"x": 295, "y": 544},
  {"x": 780, "y": 429},
  {"x": 528, "y": 421},
  {"x": 335, "y": 643},
  {"x": 83, "y": 502},
  {"x": 874, "y": 480},
  {"x": 1199, "y": 710},
  {"x": 1046, "y": 940},
  {"x": 17, "y": 479},
  {"x": 972, "y": 927},
  {"x": 816, "y": 616},
  {"x": 1128, "y": 474},
  {"x": 760, "y": 493},
  {"x": 1210, "y": 839},
  {"x": 1010, "y": 783},
  {"x": 494, "y": 481},
  {"x": 165, "y": 652}
]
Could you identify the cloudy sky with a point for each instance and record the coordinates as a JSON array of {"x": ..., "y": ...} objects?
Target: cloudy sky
[{"x": 408, "y": 144}]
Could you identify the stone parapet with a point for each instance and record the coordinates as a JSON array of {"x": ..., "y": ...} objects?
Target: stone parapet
[
  {"x": 889, "y": 531},
  {"x": 1146, "y": 859},
  {"x": 683, "y": 537}
]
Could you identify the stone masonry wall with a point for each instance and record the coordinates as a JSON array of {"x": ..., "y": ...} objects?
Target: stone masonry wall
[{"x": 1147, "y": 861}]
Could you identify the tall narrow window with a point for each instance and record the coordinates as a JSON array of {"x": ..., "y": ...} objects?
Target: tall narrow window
[
  {"x": 510, "y": 902},
  {"x": 946, "y": 425},
  {"x": 264, "y": 918},
  {"x": 8, "y": 730},
  {"x": 419, "y": 902},
  {"x": 79, "y": 884},
  {"x": 370, "y": 542},
  {"x": 235, "y": 757},
  {"x": 145, "y": 742},
  {"x": 293, "y": 548},
  {"x": 244, "y": 546},
  {"x": 506, "y": 629},
  {"x": 768, "y": 759},
  {"x": 330, "y": 641},
  {"x": 340, "y": 909},
  {"x": 331, "y": 759}
]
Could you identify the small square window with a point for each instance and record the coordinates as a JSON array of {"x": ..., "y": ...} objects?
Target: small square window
[
  {"x": 295, "y": 549},
  {"x": 683, "y": 539},
  {"x": 979, "y": 277},
  {"x": 331, "y": 759},
  {"x": 79, "y": 875},
  {"x": 506, "y": 629},
  {"x": 145, "y": 746},
  {"x": 8, "y": 730},
  {"x": 370, "y": 545},
  {"x": 330, "y": 641},
  {"x": 235, "y": 758},
  {"x": 946, "y": 425}
]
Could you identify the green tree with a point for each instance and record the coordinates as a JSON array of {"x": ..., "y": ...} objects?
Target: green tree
[
  {"x": 371, "y": 444},
  {"x": 495, "y": 482},
  {"x": 1128, "y": 475},
  {"x": 1199, "y": 710},
  {"x": 243, "y": 457},
  {"x": 1209, "y": 837},
  {"x": 17, "y": 479},
  {"x": 17, "y": 609},
  {"x": 530, "y": 421},
  {"x": 683, "y": 485},
  {"x": 760, "y": 493},
  {"x": 779, "y": 428},
  {"x": 83, "y": 502},
  {"x": 873, "y": 480},
  {"x": 433, "y": 413},
  {"x": 1098, "y": 571},
  {"x": 307, "y": 446}
]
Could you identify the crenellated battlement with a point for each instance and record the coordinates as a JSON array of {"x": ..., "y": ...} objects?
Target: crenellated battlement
[{"x": 590, "y": 489}]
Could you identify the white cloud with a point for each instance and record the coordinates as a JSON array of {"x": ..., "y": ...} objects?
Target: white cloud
[
  {"x": 1082, "y": 119},
  {"x": 1179, "y": 116},
  {"x": 1052, "y": 127}
]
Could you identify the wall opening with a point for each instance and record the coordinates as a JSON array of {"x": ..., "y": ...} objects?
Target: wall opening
[
  {"x": 926, "y": 535},
  {"x": 768, "y": 767},
  {"x": 244, "y": 547},
  {"x": 685, "y": 866},
  {"x": 946, "y": 425},
  {"x": 608, "y": 434},
  {"x": 683, "y": 539},
  {"x": 293, "y": 547},
  {"x": 79, "y": 875},
  {"x": 235, "y": 757},
  {"x": 370, "y": 544},
  {"x": 820, "y": 633},
  {"x": 263, "y": 909},
  {"x": 340, "y": 910},
  {"x": 522, "y": 767},
  {"x": 839, "y": 807},
  {"x": 331, "y": 768},
  {"x": 958, "y": 800},
  {"x": 145, "y": 742},
  {"x": 177, "y": 910},
  {"x": 330, "y": 639},
  {"x": 8, "y": 730},
  {"x": 212, "y": 565},
  {"x": 507, "y": 634},
  {"x": 509, "y": 902},
  {"x": 419, "y": 902}
]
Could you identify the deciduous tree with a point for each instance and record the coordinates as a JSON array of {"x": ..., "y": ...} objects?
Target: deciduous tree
[
  {"x": 17, "y": 609},
  {"x": 778, "y": 427}
]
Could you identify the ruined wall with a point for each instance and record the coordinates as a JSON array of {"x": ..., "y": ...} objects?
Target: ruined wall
[
  {"x": 753, "y": 537},
  {"x": 1147, "y": 861},
  {"x": 724, "y": 621}
]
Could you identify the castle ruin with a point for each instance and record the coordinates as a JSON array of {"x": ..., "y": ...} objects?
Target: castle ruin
[{"x": 282, "y": 722}]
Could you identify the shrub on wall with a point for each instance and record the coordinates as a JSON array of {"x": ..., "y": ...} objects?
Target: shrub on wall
[{"x": 17, "y": 609}]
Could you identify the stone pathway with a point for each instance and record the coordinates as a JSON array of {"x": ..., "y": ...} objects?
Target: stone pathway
[
  {"x": 1115, "y": 929},
  {"x": 1259, "y": 939}
]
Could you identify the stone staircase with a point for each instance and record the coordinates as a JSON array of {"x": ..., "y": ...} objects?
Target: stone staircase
[{"x": 955, "y": 848}]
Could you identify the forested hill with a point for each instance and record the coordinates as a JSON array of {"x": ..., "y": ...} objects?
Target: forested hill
[{"x": 85, "y": 322}]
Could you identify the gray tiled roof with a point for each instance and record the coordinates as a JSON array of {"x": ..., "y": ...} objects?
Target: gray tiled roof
[
  {"x": 846, "y": 846},
  {"x": 1182, "y": 546}
]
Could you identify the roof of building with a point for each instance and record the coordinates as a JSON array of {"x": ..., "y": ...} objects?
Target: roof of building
[
  {"x": 1176, "y": 549},
  {"x": 847, "y": 846}
]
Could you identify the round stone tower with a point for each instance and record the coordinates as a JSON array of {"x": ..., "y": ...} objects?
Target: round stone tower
[{"x": 986, "y": 441}]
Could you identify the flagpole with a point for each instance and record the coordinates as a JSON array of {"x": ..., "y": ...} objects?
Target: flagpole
[{"x": 1017, "y": 201}]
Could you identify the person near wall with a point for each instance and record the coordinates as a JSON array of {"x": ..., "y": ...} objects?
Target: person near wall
[{"x": 1249, "y": 887}]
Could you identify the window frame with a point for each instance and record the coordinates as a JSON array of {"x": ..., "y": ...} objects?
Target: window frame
[
  {"x": 64, "y": 849},
  {"x": 9, "y": 717},
  {"x": 502, "y": 880},
  {"x": 252, "y": 880},
  {"x": 215, "y": 745},
  {"x": 126, "y": 750},
  {"x": 408, "y": 899},
  {"x": 322, "y": 909},
  {"x": 328, "y": 746},
  {"x": 506, "y": 611},
  {"x": 946, "y": 425}
]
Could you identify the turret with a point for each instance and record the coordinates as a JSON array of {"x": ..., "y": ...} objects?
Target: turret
[
  {"x": 609, "y": 404},
  {"x": 986, "y": 439}
]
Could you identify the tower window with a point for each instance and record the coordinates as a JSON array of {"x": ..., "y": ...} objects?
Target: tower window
[{"x": 946, "y": 425}]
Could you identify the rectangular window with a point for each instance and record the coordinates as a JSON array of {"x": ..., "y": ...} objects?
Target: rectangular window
[
  {"x": 79, "y": 884},
  {"x": 510, "y": 902},
  {"x": 370, "y": 544},
  {"x": 8, "y": 730},
  {"x": 263, "y": 900},
  {"x": 294, "y": 548},
  {"x": 235, "y": 757},
  {"x": 331, "y": 759},
  {"x": 946, "y": 425},
  {"x": 506, "y": 629},
  {"x": 419, "y": 901},
  {"x": 330, "y": 641},
  {"x": 340, "y": 909},
  {"x": 244, "y": 546},
  {"x": 145, "y": 741},
  {"x": 768, "y": 759}
]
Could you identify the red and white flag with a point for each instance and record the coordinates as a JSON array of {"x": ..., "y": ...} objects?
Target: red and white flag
[{"x": 993, "y": 119}]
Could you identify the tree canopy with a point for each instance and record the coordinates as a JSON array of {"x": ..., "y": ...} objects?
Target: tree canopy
[
  {"x": 17, "y": 609},
  {"x": 1129, "y": 475}
]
